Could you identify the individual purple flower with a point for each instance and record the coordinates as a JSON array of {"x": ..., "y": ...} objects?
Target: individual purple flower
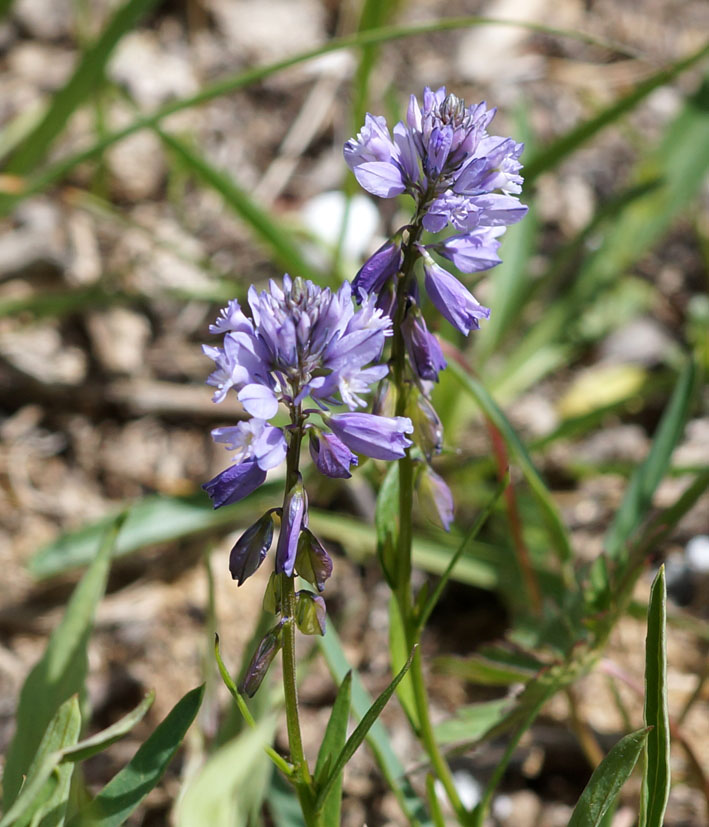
[
  {"x": 452, "y": 299},
  {"x": 379, "y": 437},
  {"x": 379, "y": 268},
  {"x": 374, "y": 159},
  {"x": 235, "y": 483},
  {"x": 425, "y": 353},
  {"x": 295, "y": 517},
  {"x": 474, "y": 252},
  {"x": 254, "y": 439},
  {"x": 331, "y": 456}
]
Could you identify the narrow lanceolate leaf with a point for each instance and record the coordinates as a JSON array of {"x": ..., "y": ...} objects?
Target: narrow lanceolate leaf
[
  {"x": 399, "y": 654},
  {"x": 607, "y": 780},
  {"x": 276, "y": 237},
  {"x": 656, "y": 776},
  {"x": 360, "y": 733},
  {"x": 331, "y": 746},
  {"x": 46, "y": 789},
  {"x": 378, "y": 738},
  {"x": 124, "y": 792},
  {"x": 102, "y": 740},
  {"x": 648, "y": 475},
  {"x": 514, "y": 444},
  {"x": 87, "y": 76},
  {"x": 61, "y": 671},
  {"x": 232, "y": 783}
]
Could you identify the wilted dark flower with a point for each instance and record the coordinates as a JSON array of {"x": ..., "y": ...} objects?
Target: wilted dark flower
[
  {"x": 262, "y": 659},
  {"x": 251, "y": 548}
]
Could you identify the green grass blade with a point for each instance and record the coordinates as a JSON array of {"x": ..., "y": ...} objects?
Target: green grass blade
[
  {"x": 102, "y": 740},
  {"x": 399, "y": 655},
  {"x": 656, "y": 775},
  {"x": 607, "y": 780},
  {"x": 251, "y": 76},
  {"x": 491, "y": 410},
  {"x": 124, "y": 792},
  {"x": 472, "y": 722},
  {"x": 283, "y": 246},
  {"x": 46, "y": 789},
  {"x": 61, "y": 671},
  {"x": 87, "y": 76},
  {"x": 360, "y": 733},
  {"x": 648, "y": 475},
  {"x": 551, "y": 156},
  {"x": 377, "y": 737},
  {"x": 332, "y": 744}
]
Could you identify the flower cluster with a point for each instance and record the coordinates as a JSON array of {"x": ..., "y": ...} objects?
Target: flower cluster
[
  {"x": 460, "y": 177},
  {"x": 464, "y": 181}
]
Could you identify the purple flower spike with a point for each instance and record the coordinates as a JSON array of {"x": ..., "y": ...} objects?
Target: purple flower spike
[
  {"x": 332, "y": 457},
  {"x": 452, "y": 299},
  {"x": 235, "y": 483},
  {"x": 380, "y": 437},
  {"x": 424, "y": 351},
  {"x": 379, "y": 268},
  {"x": 295, "y": 517},
  {"x": 251, "y": 549}
]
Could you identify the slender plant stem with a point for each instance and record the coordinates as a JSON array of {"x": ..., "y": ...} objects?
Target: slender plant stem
[
  {"x": 402, "y": 572},
  {"x": 301, "y": 771}
]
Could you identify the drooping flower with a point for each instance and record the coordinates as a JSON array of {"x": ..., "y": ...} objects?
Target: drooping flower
[
  {"x": 331, "y": 456},
  {"x": 452, "y": 300},
  {"x": 425, "y": 353},
  {"x": 379, "y": 437}
]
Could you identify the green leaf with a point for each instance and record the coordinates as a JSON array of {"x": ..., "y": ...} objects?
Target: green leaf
[
  {"x": 470, "y": 723},
  {"x": 332, "y": 744},
  {"x": 149, "y": 521},
  {"x": 87, "y": 76},
  {"x": 399, "y": 654},
  {"x": 45, "y": 792},
  {"x": 386, "y": 519},
  {"x": 486, "y": 671},
  {"x": 61, "y": 671},
  {"x": 378, "y": 739},
  {"x": 124, "y": 792},
  {"x": 656, "y": 775},
  {"x": 232, "y": 783},
  {"x": 277, "y": 237},
  {"x": 607, "y": 780},
  {"x": 360, "y": 733},
  {"x": 648, "y": 475},
  {"x": 102, "y": 740},
  {"x": 514, "y": 444}
]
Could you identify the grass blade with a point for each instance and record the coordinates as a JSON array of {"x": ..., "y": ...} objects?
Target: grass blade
[
  {"x": 284, "y": 247},
  {"x": 360, "y": 733},
  {"x": 656, "y": 775},
  {"x": 46, "y": 788},
  {"x": 87, "y": 76},
  {"x": 491, "y": 410},
  {"x": 649, "y": 474},
  {"x": 102, "y": 740},
  {"x": 124, "y": 792},
  {"x": 377, "y": 737},
  {"x": 61, "y": 671},
  {"x": 332, "y": 744},
  {"x": 551, "y": 156},
  {"x": 607, "y": 780}
]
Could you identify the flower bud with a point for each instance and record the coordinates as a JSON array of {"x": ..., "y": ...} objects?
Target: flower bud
[
  {"x": 310, "y": 613},
  {"x": 312, "y": 562},
  {"x": 435, "y": 497},
  {"x": 251, "y": 548},
  {"x": 295, "y": 516},
  {"x": 262, "y": 659}
]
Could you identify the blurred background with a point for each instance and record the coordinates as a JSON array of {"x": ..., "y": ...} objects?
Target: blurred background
[{"x": 116, "y": 253}]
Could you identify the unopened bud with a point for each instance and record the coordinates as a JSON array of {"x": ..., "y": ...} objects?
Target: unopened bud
[
  {"x": 312, "y": 562},
  {"x": 310, "y": 613}
]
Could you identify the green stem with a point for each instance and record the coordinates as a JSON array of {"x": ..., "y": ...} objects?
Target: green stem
[
  {"x": 302, "y": 777},
  {"x": 402, "y": 574}
]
